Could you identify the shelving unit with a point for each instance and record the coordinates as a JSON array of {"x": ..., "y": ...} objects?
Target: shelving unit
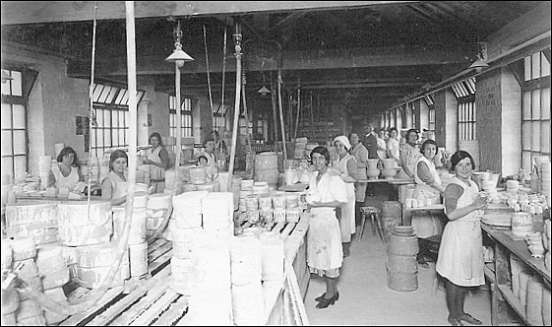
[{"x": 506, "y": 308}]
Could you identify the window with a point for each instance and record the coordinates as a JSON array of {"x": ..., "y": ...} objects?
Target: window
[
  {"x": 14, "y": 125},
  {"x": 430, "y": 102},
  {"x": 467, "y": 114},
  {"x": 186, "y": 117},
  {"x": 535, "y": 128},
  {"x": 110, "y": 127},
  {"x": 243, "y": 127},
  {"x": 412, "y": 112},
  {"x": 219, "y": 119}
]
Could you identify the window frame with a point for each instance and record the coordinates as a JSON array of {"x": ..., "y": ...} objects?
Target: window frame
[
  {"x": 186, "y": 108},
  {"x": 11, "y": 100}
]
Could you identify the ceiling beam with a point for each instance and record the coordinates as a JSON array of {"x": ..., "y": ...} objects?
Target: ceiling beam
[
  {"x": 292, "y": 60},
  {"x": 31, "y": 12}
]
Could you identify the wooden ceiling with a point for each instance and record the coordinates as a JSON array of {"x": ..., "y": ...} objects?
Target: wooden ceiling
[{"x": 394, "y": 47}]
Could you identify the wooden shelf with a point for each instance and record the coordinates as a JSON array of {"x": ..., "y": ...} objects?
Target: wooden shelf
[
  {"x": 518, "y": 248},
  {"x": 513, "y": 301}
]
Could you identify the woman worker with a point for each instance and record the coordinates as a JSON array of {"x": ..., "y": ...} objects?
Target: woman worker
[
  {"x": 393, "y": 145},
  {"x": 114, "y": 186},
  {"x": 324, "y": 253},
  {"x": 460, "y": 259},
  {"x": 428, "y": 187},
  {"x": 360, "y": 153},
  {"x": 66, "y": 174},
  {"x": 347, "y": 168},
  {"x": 158, "y": 159},
  {"x": 409, "y": 152}
]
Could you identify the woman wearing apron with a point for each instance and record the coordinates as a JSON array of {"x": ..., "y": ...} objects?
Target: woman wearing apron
[
  {"x": 428, "y": 187},
  {"x": 360, "y": 153},
  {"x": 158, "y": 159},
  {"x": 346, "y": 165},
  {"x": 114, "y": 186},
  {"x": 409, "y": 152},
  {"x": 324, "y": 252},
  {"x": 65, "y": 175},
  {"x": 460, "y": 259}
]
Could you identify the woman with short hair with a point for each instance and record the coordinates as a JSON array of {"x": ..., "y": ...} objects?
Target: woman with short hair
[
  {"x": 327, "y": 192},
  {"x": 158, "y": 159},
  {"x": 114, "y": 186},
  {"x": 66, "y": 174},
  {"x": 460, "y": 260}
]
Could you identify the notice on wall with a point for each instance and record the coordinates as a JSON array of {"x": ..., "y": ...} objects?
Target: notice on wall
[{"x": 82, "y": 125}]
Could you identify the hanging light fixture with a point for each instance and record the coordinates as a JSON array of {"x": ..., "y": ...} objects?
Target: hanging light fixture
[
  {"x": 481, "y": 61},
  {"x": 263, "y": 90},
  {"x": 179, "y": 57}
]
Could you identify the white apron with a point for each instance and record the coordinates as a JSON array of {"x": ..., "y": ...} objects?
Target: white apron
[
  {"x": 409, "y": 156},
  {"x": 157, "y": 174},
  {"x": 460, "y": 257},
  {"x": 426, "y": 226},
  {"x": 361, "y": 155},
  {"x": 324, "y": 251},
  {"x": 63, "y": 182},
  {"x": 118, "y": 185},
  {"x": 347, "y": 220}
]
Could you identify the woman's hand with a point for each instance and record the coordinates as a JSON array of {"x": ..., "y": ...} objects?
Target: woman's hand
[
  {"x": 147, "y": 161},
  {"x": 479, "y": 202}
]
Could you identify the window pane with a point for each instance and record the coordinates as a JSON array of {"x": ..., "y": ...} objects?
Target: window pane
[
  {"x": 6, "y": 143},
  {"x": 93, "y": 139},
  {"x": 545, "y": 137},
  {"x": 526, "y": 135},
  {"x": 107, "y": 118},
  {"x": 122, "y": 137},
  {"x": 16, "y": 84},
  {"x": 120, "y": 96},
  {"x": 20, "y": 167},
  {"x": 97, "y": 91},
  {"x": 19, "y": 116},
  {"x": 111, "y": 95},
  {"x": 526, "y": 161},
  {"x": 536, "y": 136},
  {"x": 99, "y": 140},
  {"x": 7, "y": 166},
  {"x": 127, "y": 120},
  {"x": 535, "y": 63},
  {"x": 99, "y": 117},
  {"x": 545, "y": 103},
  {"x": 126, "y": 136},
  {"x": 124, "y": 101},
  {"x": 121, "y": 118},
  {"x": 19, "y": 142},
  {"x": 535, "y": 104},
  {"x": 6, "y": 115},
  {"x": 545, "y": 65},
  {"x": 527, "y": 68},
  {"x": 104, "y": 94},
  {"x": 5, "y": 83},
  {"x": 527, "y": 105},
  {"x": 107, "y": 137}
]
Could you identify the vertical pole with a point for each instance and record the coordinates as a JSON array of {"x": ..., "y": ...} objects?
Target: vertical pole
[
  {"x": 281, "y": 112},
  {"x": 298, "y": 109},
  {"x": 237, "y": 40},
  {"x": 207, "y": 68},
  {"x": 132, "y": 111},
  {"x": 223, "y": 75},
  {"x": 274, "y": 108},
  {"x": 178, "y": 121}
]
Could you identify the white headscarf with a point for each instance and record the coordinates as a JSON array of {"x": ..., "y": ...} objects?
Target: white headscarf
[{"x": 343, "y": 140}]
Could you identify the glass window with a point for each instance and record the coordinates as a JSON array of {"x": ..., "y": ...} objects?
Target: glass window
[{"x": 186, "y": 118}]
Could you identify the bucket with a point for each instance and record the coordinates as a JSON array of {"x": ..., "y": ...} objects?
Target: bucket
[
  {"x": 402, "y": 263},
  {"x": 372, "y": 164},
  {"x": 404, "y": 246},
  {"x": 402, "y": 282},
  {"x": 198, "y": 175}
]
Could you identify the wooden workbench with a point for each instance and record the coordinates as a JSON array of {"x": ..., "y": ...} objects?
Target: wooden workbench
[{"x": 506, "y": 308}]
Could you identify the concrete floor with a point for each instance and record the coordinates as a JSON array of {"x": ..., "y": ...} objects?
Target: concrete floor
[{"x": 365, "y": 299}]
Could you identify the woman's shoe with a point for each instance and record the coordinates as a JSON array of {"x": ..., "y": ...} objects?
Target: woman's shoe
[
  {"x": 470, "y": 319},
  {"x": 324, "y": 303},
  {"x": 455, "y": 321},
  {"x": 320, "y": 297}
]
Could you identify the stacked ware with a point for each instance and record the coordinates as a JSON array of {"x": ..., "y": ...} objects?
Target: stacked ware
[
  {"x": 184, "y": 227},
  {"x": 533, "y": 295},
  {"x": 20, "y": 309},
  {"x": 218, "y": 212},
  {"x": 210, "y": 301},
  {"x": 32, "y": 220},
  {"x": 402, "y": 267},
  {"x": 279, "y": 204},
  {"x": 546, "y": 174},
  {"x": 156, "y": 210},
  {"x": 390, "y": 168},
  {"x": 137, "y": 245},
  {"x": 44, "y": 167},
  {"x": 522, "y": 225},
  {"x": 300, "y": 147},
  {"x": 372, "y": 170},
  {"x": 272, "y": 262},
  {"x": 53, "y": 269},
  {"x": 266, "y": 168},
  {"x": 94, "y": 263},
  {"x": 246, "y": 272}
]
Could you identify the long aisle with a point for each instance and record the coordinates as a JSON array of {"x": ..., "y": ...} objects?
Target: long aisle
[{"x": 365, "y": 299}]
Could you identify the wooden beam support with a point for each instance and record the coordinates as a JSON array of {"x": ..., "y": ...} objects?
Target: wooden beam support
[
  {"x": 32, "y": 12},
  {"x": 292, "y": 60}
]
